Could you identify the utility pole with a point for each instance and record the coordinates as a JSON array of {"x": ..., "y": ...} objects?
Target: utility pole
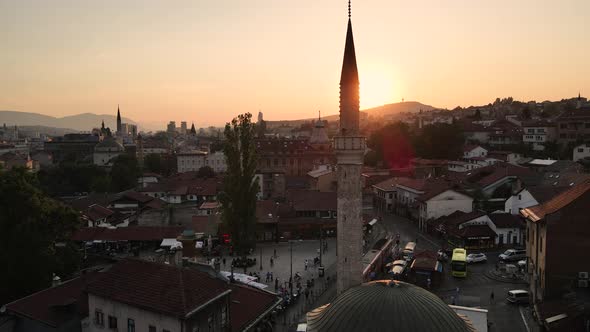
[
  {"x": 321, "y": 249},
  {"x": 291, "y": 278}
]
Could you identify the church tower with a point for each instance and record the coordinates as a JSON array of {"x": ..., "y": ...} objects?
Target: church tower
[
  {"x": 349, "y": 147},
  {"x": 119, "y": 127}
]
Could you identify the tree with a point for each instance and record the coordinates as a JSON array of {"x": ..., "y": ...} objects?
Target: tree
[
  {"x": 526, "y": 113},
  {"x": 440, "y": 141},
  {"x": 124, "y": 173},
  {"x": 31, "y": 227},
  {"x": 477, "y": 115},
  {"x": 392, "y": 145},
  {"x": 239, "y": 196},
  {"x": 205, "y": 172}
]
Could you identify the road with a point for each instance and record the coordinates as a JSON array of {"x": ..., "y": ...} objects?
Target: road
[{"x": 475, "y": 290}]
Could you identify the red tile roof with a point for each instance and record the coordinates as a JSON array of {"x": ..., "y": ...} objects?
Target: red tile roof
[
  {"x": 506, "y": 220},
  {"x": 415, "y": 184},
  {"x": 558, "y": 202},
  {"x": 96, "y": 212},
  {"x": 47, "y": 306},
  {"x": 132, "y": 233},
  {"x": 389, "y": 184},
  {"x": 247, "y": 304},
  {"x": 469, "y": 147},
  {"x": 475, "y": 231},
  {"x": 160, "y": 288},
  {"x": 205, "y": 224}
]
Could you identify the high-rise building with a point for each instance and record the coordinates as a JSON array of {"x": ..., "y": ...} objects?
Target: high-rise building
[
  {"x": 183, "y": 128},
  {"x": 349, "y": 146},
  {"x": 171, "y": 127}
]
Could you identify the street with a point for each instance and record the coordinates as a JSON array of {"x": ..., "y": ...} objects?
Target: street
[{"x": 476, "y": 289}]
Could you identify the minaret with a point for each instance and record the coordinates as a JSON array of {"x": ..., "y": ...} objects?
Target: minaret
[
  {"x": 349, "y": 147},
  {"x": 119, "y": 128}
]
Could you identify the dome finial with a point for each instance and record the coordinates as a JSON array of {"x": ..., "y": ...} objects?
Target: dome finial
[{"x": 348, "y": 9}]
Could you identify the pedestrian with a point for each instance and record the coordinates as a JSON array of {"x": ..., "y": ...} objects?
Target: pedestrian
[
  {"x": 492, "y": 297},
  {"x": 276, "y": 284},
  {"x": 452, "y": 300},
  {"x": 305, "y": 265},
  {"x": 428, "y": 281},
  {"x": 416, "y": 241},
  {"x": 275, "y": 253},
  {"x": 271, "y": 276},
  {"x": 272, "y": 262},
  {"x": 224, "y": 261}
]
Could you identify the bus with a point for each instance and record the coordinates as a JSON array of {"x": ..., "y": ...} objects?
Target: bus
[{"x": 459, "y": 263}]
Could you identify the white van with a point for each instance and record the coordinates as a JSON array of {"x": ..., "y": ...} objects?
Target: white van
[
  {"x": 409, "y": 250},
  {"x": 518, "y": 296}
]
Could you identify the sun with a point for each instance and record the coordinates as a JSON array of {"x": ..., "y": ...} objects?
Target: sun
[{"x": 377, "y": 87}]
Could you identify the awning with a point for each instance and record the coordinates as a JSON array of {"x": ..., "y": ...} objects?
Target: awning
[{"x": 373, "y": 222}]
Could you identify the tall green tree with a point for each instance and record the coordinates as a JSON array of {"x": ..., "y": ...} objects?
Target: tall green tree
[
  {"x": 33, "y": 236},
  {"x": 124, "y": 173},
  {"x": 239, "y": 196}
]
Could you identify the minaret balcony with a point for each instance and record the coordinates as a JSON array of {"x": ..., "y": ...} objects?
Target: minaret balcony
[{"x": 349, "y": 143}]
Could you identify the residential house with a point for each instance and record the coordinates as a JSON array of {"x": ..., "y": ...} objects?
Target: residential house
[
  {"x": 462, "y": 166},
  {"x": 190, "y": 161},
  {"x": 538, "y": 133},
  {"x": 573, "y": 126},
  {"x": 385, "y": 195},
  {"x": 470, "y": 151},
  {"x": 441, "y": 200},
  {"x": 581, "y": 151},
  {"x": 509, "y": 228},
  {"x": 473, "y": 230},
  {"x": 306, "y": 213},
  {"x": 531, "y": 196},
  {"x": 506, "y": 156},
  {"x": 60, "y": 308},
  {"x": 323, "y": 178},
  {"x": 557, "y": 240},
  {"x": 106, "y": 151}
]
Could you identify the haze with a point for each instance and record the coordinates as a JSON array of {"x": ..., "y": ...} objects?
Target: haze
[{"x": 206, "y": 61}]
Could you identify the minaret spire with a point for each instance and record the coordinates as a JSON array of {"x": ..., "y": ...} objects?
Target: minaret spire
[{"x": 349, "y": 85}]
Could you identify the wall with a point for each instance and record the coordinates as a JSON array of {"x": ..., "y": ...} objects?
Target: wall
[
  {"x": 508, "y": 235},
  {"x": 581, "y": 152},
  {"x": 522, "y": 200},
  {"x": 143, "y": 318},
  {"x": 445, "y": 204}
]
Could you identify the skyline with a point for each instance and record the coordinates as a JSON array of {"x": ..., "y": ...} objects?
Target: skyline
[{"x": 208, "y": 62}]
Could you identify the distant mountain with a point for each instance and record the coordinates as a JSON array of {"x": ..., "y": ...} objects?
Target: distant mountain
[
  {"x": 80, "y": 122},
  {"x": 395, "y": 108}
]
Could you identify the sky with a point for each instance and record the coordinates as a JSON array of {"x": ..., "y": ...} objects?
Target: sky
[{"x": 207, "y": 61}]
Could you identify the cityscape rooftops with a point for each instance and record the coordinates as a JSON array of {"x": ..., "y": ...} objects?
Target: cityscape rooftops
[
  {"x": 556, "y": 203},
  {"x": 160, "y": 288}
]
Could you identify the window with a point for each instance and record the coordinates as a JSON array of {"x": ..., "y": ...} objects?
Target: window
[
  {"x": 562, "y": 136},
  {"x": 112, "y": 322},
  {"x": 519, "y": 197},
  {"x": 130, "y": 325},
  {"x": 98, "y": 317},
  {"x": 152, "y": 328},
  {"x": 580, "y": 150},
  {"x": 563, "y": 125}
]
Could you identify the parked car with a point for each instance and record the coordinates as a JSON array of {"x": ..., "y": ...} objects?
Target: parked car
[
  {"x": 476, "y": 258},
  {"x": 518, "y": 296},
  {"x": 511, "y": 255}
]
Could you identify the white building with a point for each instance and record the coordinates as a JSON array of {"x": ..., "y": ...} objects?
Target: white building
[
  {"x": 471, "y": 151},
  {"x": 509, "y": 228},
  {"x": 190, "y": 161},
  {"x": 581, "y": 152},
  {"x": 440, "y": 202},
  {"x": 217, "y": 161},
  {"x": 537, "y": 133},
  {"x": 106, "y": 151},
  {"x": 462, "y": 166}
]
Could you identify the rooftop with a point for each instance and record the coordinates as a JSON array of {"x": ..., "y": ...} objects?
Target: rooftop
[
  {"x": 558, "y": 202},
  {"x": 160, "y": 288}
]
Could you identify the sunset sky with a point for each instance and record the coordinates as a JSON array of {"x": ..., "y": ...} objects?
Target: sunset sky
[{"x": 208, "y": 60}]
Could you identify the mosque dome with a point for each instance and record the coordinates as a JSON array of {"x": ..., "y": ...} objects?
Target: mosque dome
[{"x": 386, "y": 306}]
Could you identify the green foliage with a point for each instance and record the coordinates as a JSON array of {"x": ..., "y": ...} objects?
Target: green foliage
[
  {"x": 161, "y": 164},
  {"x": 440, "y": 141},
  {"x": 70, "y": 177},
  {"x": 239, "y": 196},
  {"x": 205, "y": 172},
  {"x": 392, "y": 145},
  {"x": 124, "y": 173},
  {"x": 30, "y": 226}
]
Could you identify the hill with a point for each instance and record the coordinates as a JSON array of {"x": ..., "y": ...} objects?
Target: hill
[
  {"x": 395, "y": 108},
  {"x": 80, "y": 122},
  {"x": 385, "y": 110}
]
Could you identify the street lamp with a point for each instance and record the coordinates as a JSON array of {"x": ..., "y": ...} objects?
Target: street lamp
[{"x": 291, "y": 277}]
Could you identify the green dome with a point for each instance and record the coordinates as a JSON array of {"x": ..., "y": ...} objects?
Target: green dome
[{"x": 386, "y": 306}]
